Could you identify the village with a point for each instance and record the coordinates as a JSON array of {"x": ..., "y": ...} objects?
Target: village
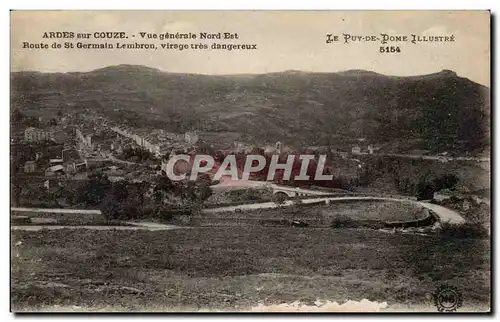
[
  {"x": 69, "y": 148},
  {"x": 111, "y": 179}
]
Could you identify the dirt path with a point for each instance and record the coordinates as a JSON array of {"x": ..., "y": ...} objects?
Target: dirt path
[
  {"x": 136, "y": 226},
  {"x": 58, "y": 210}
]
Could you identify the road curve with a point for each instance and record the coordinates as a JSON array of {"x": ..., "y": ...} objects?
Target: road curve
[{"x": 444, "y": 214}]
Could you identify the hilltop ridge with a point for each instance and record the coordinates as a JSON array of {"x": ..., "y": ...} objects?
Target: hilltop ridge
[{"x": 439, "y": 111}]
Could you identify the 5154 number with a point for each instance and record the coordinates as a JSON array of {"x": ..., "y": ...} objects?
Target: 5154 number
[{"x": 390, "y": 49}]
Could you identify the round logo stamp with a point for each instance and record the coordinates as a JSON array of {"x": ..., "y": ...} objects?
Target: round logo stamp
[{"x": 447, "y": 298}]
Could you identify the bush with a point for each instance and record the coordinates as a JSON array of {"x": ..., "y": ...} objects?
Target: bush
[
  {"x": 274, "y": 222},
  {"x": 280, "y": 198},
  {"x": 250, "y": 195},
  {"x": 343, "y": 222},
  {"x": 164, "y": 214},
  {"x": 297, "y": 201},
  {"x": 168, "y": 214},
  {"x": 120, "y": 212},
  {"x": 465, "y": 230}
]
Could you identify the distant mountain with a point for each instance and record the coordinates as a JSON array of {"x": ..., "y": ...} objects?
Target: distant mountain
[
  {"x": 358, "y": 72},
  {"x": 440, "y": 111}
]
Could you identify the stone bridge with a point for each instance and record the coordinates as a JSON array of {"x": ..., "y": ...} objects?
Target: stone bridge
[{"x": 291, "y": 192}]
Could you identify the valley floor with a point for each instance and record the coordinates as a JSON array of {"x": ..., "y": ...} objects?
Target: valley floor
[{"x": 241, "y": 268}]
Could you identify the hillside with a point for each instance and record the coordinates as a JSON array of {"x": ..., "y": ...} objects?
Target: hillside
[{"x": 440, "y": 111}]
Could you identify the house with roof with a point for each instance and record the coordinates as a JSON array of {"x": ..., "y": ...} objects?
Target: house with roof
[
  {"x": 191, "y": 137},
  {"x": 54, "y": 170},
  {"x": 30, "y": 166},
  {"x": 32, "y": 134}
]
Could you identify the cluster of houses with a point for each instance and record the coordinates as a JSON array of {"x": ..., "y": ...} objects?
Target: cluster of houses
[
  {"x": 158, "y": 142},
  {"x": 54, "y": 133},
  {"x": 368, "y": 149},
  {"x": 55, "y": 161}
]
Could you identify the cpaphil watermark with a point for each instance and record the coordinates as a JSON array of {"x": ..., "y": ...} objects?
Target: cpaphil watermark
[
  {"x": 253, "y": 164},
  {"x": 447, "y": 298}
]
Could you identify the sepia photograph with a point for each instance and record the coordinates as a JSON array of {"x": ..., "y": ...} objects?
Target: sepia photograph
[{"x": 250, "y": 161}]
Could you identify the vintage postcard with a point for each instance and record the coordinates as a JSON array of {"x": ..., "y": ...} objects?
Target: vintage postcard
[{"x": 250, "y": 161}]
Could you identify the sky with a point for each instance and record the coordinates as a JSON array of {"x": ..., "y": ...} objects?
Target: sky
[{"x": 286, "y": 40}]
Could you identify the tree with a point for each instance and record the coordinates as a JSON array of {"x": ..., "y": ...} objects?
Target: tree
[
  {"x": 194, "y": 195},
  {"x": 124, "y": 201},
  {"x": 16, "y": 192},
  {"x": 111, "y": 208},
  {"x": 280, "y": 198},
  {"x": 16, "y": 115},
  {"x": 93, "y": 191},
  {"x": 162, "y": 187},
  {"x": 204, "y": 191},
  {"x": 448, "y": 181},
  {"x": 425, "y": 191},
  {"x": 297, "y": 201}
]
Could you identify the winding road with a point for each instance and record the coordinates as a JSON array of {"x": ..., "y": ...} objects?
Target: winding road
[{"x": 445, "y": 215}]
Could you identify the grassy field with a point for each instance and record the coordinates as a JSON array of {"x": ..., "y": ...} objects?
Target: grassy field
[
  {"x": 371, "y": 213},
  {"x": 239, "y": 268}
]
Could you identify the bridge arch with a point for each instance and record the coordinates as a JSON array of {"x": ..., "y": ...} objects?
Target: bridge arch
[{"x": 287, "y": 194}]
